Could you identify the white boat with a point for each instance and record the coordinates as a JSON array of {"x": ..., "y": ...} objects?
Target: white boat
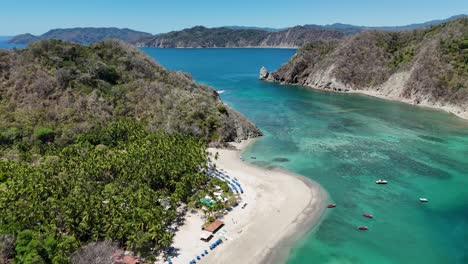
[
  {"x": 381, "y": 182},
  {"x": 424, "y": 200}
]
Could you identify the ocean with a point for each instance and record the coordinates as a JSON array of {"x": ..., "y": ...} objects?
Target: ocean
[
  {"x": 346, "y": 142},
  {"x": 5, "y": 45}
]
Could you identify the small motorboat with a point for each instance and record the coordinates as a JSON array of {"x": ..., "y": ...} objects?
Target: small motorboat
[
  {"x": 424, "y": 200},
  {"x": 363, "y": 227},
  {"x": 381, "y": 181},
  {"x": 368, "y": 215},
  {"x": 331, "y": 206}
]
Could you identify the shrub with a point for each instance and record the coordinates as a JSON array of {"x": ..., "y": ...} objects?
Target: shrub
[
  {"x": 108, "y": 73},
  {"x": 222, "y": 109},
  {"x": 9, "y": 136},
  {"x": 44, "y": 134},
  {"x": 29, "y": 248}
]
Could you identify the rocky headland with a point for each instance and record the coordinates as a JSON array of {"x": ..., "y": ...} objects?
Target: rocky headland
[{"x": 426, "y": 67}]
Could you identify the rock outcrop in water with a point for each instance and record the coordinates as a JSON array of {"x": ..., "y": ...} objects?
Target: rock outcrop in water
[
  {"x": 425, "y": 66},
  {"x": 263, "y": 73}
]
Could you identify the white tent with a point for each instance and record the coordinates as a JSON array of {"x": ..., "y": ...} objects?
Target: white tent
[{"x": 206, "y": 236}]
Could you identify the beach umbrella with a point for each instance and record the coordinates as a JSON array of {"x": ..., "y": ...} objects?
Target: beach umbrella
[
  {"x": 206, "y": 251},
  {"x": 198, "y": 257}
]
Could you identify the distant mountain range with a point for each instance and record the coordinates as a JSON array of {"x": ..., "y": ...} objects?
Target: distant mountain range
[
  {"x": 223, "y": 37},
  {"x": 349, "y": 29},
  {"x": 269, "y": 29},
  {"x": 352, "y": 29},
  {"x": 83, "y": 35},
  {"x": 229, "y": 36}
]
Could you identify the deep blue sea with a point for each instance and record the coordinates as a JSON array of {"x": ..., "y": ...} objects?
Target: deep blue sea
[
  {"x": 5, "y": 45},
  {"x": 345, "y": 142}
]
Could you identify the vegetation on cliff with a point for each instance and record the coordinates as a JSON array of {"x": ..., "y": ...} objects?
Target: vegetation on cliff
[{"x": 425, "y": 65}]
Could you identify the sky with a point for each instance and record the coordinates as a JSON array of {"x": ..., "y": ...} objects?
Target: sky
[{"x": 156, "y": 16}]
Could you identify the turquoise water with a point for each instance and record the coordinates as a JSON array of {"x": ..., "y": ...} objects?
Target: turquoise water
[{"x": 345, "y": 142}]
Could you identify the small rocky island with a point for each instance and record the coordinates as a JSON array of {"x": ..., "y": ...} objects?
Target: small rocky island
[{"x": 264, "y": 74}]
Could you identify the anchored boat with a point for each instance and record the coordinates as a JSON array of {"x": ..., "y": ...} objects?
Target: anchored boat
[
  {"x": 381, "y": 181},
  {"x": 368, "y": 215}
]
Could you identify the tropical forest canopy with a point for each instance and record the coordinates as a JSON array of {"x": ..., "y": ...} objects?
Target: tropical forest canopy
[{"x": 116, "y": 182}]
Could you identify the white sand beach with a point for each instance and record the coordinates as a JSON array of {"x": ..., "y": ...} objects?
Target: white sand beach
[{"x": 280, "y": 208}]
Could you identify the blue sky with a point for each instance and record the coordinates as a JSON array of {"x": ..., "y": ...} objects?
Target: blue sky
[{"x": 155, "y": 16}]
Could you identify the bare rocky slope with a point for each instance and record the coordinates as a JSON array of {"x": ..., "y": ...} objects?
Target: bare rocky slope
[
  {"x": 202, "y": 37},
  {"x": 424, "y": 66}
]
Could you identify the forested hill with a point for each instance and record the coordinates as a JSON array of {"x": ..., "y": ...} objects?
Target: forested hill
[
  {"x": 70, "y": 88},
  {"x": 83, "y": 35},
  {"x": 425, "y": 66},
  {"x": 202, "y": 37}
]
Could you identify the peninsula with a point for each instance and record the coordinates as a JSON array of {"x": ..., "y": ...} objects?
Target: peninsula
[{"x": 427, "y": 67}]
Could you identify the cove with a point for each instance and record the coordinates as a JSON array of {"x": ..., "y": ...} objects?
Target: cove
[{"x": 345, "y": 142}]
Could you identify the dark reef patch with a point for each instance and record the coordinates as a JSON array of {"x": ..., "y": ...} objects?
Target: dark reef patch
[{"x": 431, "y": 138}]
